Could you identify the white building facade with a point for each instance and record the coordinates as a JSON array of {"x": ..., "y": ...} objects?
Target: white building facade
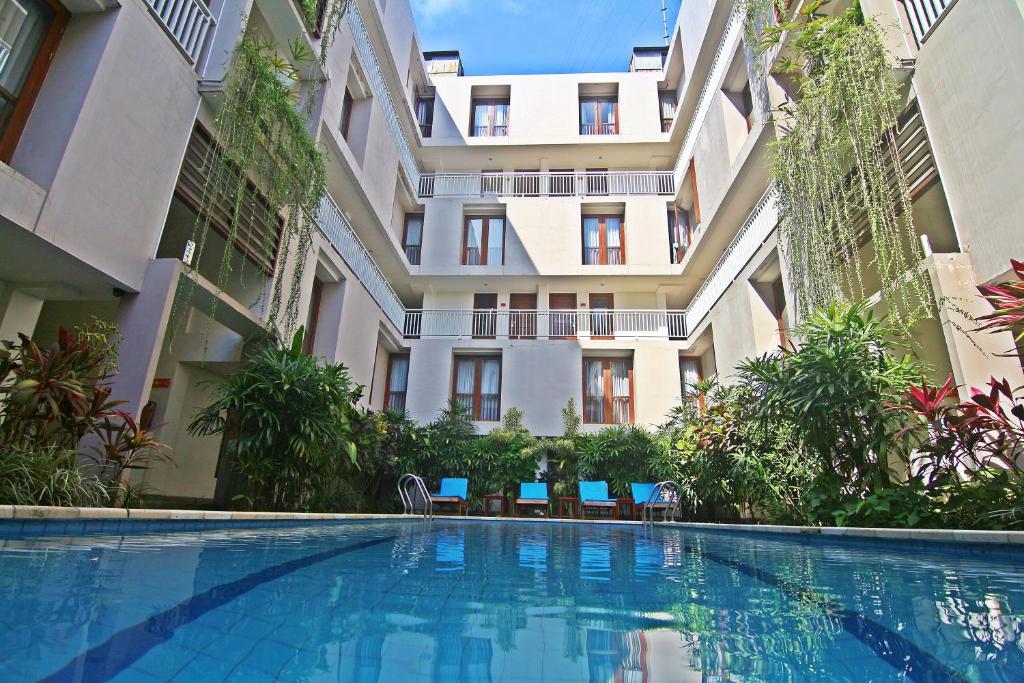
[{"x": 496, "y": 240}]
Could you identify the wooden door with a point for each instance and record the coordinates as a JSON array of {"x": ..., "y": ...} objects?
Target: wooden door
[
  {"x": 522, "y": 322},
  {"x": 485, "y": 315},
  {"x": 563, "y": 316}
]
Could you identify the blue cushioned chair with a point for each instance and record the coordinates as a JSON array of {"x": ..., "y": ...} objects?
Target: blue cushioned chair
[
  {"x": 594, "y": 496},
  {"x": 642, "y": 499},
  {"x": 533, "y": 497},
  {"x": 453, "y": 492}
]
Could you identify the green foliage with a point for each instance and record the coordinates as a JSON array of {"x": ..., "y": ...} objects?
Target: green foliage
[
  {"x": 832, "y": 168},
  {"x": 47, "y": 475},
  {"x": 290, "y": 426},
  {"x": 621, "y": 456}
]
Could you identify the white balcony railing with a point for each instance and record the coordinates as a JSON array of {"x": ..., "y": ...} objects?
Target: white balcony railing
[
  {"x": 924, "y": 14},
  {"x": 546, "y": 183},
  {"x": 186, "y": 21},
  {"x": 619, "y": 324},
  {"x": 755, "y": 230},
  {"x": 344, "y": 239},
  {"x": 381, "y": 91}
]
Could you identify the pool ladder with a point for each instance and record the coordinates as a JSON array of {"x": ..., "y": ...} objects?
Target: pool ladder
[
  {"x": 663, "y": 492},
  {"x": 412, "y": 490}
]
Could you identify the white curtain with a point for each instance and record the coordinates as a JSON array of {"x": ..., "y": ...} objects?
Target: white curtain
[
  {"x": 500, "y": 118},
  {"x": 464, "y": 382},
  {"x": 595, "y": 391},
  {"x": 490, "y": 389},
  {"x": 588, "y": 112},
  {"x": 689, "y": 374},
  {"x": 480, "y": 114},
  {"x": 414, "y": 231},
  {"x": 23, "y": 25},
  {"x": 613, "y": 238},
  {"x": 474, "y": 238},
  {"x": 397, "y": 382},
  {"x": 495, "y": 241},
  {"x": 608, "y": 115},
  {"x": 591, "y": 240},
  {"x": 668, "y": 103},
  {"x": 620, "y": 391}
]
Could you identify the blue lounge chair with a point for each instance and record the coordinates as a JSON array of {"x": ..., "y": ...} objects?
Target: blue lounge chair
[
  {"x": 533, "y": 497},
  {"x": 594, "y": 495},
  {"x": 642, "y": 499},
  {"x": 453, "y": 492}
]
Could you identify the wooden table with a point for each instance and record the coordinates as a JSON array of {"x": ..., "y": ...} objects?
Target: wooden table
[
  {"x": 572, "y": 503},
  {"x": 494, "y": 497},
  {"x": 621, "y": 507}
]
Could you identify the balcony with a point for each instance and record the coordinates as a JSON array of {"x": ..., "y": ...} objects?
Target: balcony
[
  {"x": 923, "y": 15},
  {"x": 552, "y": 324},
  {"x": 186, "y": 21},
  {"x": 546, "y": 184}
]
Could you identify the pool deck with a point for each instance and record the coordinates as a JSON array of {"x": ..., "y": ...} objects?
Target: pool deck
[{"x": 42, "y": 513}]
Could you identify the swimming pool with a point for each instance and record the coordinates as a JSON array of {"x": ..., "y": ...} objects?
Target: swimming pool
[{"x": 502, "y": 601}]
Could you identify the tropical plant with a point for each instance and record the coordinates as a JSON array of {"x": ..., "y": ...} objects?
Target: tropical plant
[
  {"x": 621, "y": 455},
  {"x": 833, "y": 391},
  {"x": 1007, "y": 301},
  {"x": 289, "y": 425},
  {"x": 47, "y": 475}
]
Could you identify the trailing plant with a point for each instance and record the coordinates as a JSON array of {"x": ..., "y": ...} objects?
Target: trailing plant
[
  {"x": 289, "y": 427},
  {"x": 833, "y": 390},
  {"x": 837, "y": 169}
]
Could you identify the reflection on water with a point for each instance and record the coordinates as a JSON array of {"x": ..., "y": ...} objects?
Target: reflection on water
[{"x": 466, "y": 601}]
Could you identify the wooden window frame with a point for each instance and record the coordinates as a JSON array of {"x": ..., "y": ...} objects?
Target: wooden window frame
[
  {"x": 315, "y": 299},
  {"x": 747, "y": 102},
  {"x": 666, "y": 124},
  {"x": 596, "y": 100},
  {"x": 484, "y": 237},
  {"x": 490, "y": 103},
  {"x": 682, "y": 229},
  {"x": 387, "y": 380},
  {"x": 603, "y": 239},
  {"x": 693, "y": 189},
  {"x": 426, "y": 127},
  {"x": 477, "y": 380},
  {"x": 594, "y": 317},
  {"x": 347, "y": 104},
  {"x": 25, "y": 101},
  {"x": 778, "y": 306},
  {"x": 609, "y": 411},
  {"x": 405, "y": 238}
]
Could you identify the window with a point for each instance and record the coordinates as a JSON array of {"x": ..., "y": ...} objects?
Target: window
[
  {"x": 490, "y": 118},
  {"x": 667, "y": 107},
  {"x": 346, "y": 113},
  {"x": 747, "y": 106},
  {"x": 313, "y": 316},
  {"x": 412, "y": 237},
  {"x": 522, "y": 323},
  {"x": 425, "y": 115},
  {"x": 485, "y": 315},
  {"x": 602, "y": 317},
  {"x": 562, "y": 313},
  {"x": 483, "y": 242},
  {"x": 29, "y": 33},
  {"x": 678, "y": 233},
  {"x": 779, "y": 308},
  {"x": 603, "y": 242},
  {"x": 689, "y": 374},
  {"x": 397, "y": 382},
  {"x": 599, "y": 115},
  {"x": 693, "y": 189},
  {"x": 477, "y": 386},
  {"x": 608, "y": 390}
]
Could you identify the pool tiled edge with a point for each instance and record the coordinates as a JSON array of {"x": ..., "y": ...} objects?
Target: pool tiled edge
[{"x": 44, "y": 518}]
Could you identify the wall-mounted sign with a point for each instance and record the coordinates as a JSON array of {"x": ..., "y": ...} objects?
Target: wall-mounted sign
[{"x": 161, "y": 382}]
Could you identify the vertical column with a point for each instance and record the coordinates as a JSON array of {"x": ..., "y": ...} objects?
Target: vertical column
[
  {"x": 143, "y": 320},
  {"x": 19, "y": 312},
  {"x": 974, "y": 356}
]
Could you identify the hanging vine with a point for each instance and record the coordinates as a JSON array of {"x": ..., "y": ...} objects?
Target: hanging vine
[
  {"x": 262, "y": 132},
  {"x": 838, "y": 171}
]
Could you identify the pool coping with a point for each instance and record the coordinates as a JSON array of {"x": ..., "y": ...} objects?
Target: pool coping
[{"x": 42, "y": 513}]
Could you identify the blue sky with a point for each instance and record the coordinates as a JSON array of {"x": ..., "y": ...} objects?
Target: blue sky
[{"x": 541, "y": 36}]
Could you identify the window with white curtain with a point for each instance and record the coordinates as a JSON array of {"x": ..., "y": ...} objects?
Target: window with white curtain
[
  {"x": 477, "y": 386},
  {"x": 484, "y": 241},
  {"x": 412, "y": 237},
  {"x": 490, "y": 118},
  {"x": 689, "y": 375},
  {"x": 398, "y": 382},
  {"x": 599, "y": 115},
  {"x": 608, "y": 387},
  {"x": 667, "y": 106},
  {"x": 602, "y": 241}
]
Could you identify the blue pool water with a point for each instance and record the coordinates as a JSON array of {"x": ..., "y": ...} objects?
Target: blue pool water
[{"x": 499, "y": 601}]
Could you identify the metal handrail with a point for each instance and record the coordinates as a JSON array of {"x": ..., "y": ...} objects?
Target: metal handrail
[
  {"x": 663, "y": 492},
  {"x": 406, "y": 483}
]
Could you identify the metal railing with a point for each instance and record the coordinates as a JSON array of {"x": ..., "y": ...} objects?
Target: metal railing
[
  {"x": 489, "y": 323},
  {"x": 924, "y": 14},
  {"x": 343, "y": 238},
  {"x": 382, "y": 92},
  {"x": 546, "y": 183},
  {"x": 665, "y": 497},
  {"x": 412, "y": 490},
  {"x": 599, "y": 129},
  {"x": 186, "y": 21},
  {"x": 755, "y": 230}
]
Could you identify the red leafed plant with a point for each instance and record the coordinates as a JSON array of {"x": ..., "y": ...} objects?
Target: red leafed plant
[{"x": 1007, "y": 301}]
